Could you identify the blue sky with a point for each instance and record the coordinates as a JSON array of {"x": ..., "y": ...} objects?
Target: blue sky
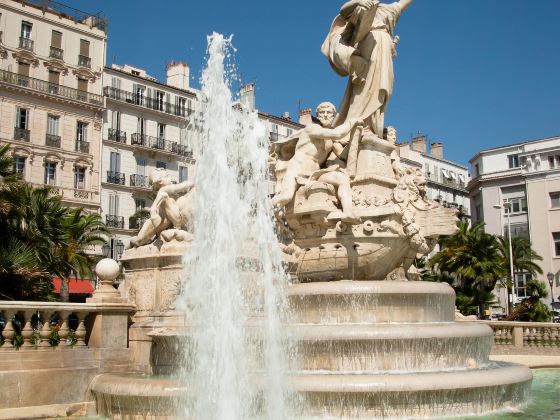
[{"x": 472, "y": 74}]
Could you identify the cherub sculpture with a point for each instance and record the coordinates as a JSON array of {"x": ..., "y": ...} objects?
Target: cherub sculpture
[{"x": 171, "y": 211}]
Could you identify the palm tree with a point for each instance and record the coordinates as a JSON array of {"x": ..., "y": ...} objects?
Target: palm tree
[
  {"x": 82, "y": 231},
  {"x": 531, "y": 309},
  {"x": 472, "y": 259},
  {"x": 524, "y": 258}
]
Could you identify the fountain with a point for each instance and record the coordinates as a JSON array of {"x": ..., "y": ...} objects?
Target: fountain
[{"x": 353, "y": 334}]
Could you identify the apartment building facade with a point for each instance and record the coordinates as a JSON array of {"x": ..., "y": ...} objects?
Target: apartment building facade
[
  {"x": 527, "y": 177},
  {"x": 446, "y": 180},
  {"x": 51, "y": 107},
  {"x": 145, "y": 126}
]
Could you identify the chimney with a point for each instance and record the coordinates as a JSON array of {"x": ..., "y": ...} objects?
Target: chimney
[
  {"x": 286, "y": 116},
  {"x": 436, "y": 150},
  {"x": 419, "y": 143},
  {"x": 247, "y": 96},
  {"x": 178, "y": 75},
  {"x": 305, "y": 116}
]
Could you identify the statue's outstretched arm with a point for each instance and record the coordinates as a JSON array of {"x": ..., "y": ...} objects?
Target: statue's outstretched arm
[
  {"x": 331, "y": 133},
  {"x": 181, "y": 188}
]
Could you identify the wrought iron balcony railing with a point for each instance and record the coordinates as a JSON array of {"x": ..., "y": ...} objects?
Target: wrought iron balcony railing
[
  {"x": 114, "y": 221},
  {"x": 52, "y": 140},
  {"x": 136, "y": 224},
  {"x": 26, "y": 43},
  {"x": 117, "y": 135},
  {"x": 82, "y": 146},
  {"x": 50, "y": 88},
  {"x": 84, "y": 61},
  {"x": 160, "y": 144},
  {"x": 21, "y": 134},
  {"x": 146, "y": 102},
  {"x": 117, "y": 178},
  {"x": 141, "y": 181},
  {"x": 57, "y": 53}
]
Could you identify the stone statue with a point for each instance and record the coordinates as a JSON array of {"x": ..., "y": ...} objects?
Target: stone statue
[
  {"x": 305, "y": 154},
  {"x": 361, "y": 45},
  {"x": 170, "y": 213}
]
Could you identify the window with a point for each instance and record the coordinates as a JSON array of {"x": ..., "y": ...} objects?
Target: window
[
  {"x": 289, "y": 132},
  {"x": 161, "y": 131},
  {"x": 81, "y": 131},
  {"x": 478, "y": 212},
  {"x": 82, "y": 85},
  {"x": 140, "y": 204},
  {"x": 141, "y": 166},
  {"x": 56, "y": 39},
  {"x": 50, "y": 173},
  {"x": 22, "y": 118},
  {"x": 52, "y": 124},
  {"x": 521, "y": 280},
  {"x": 135, "y": 72},
  {"x": 23, "y": 72},
  {"x": 116, "y": 121},
  {"x": 520, "y": 230},
  {"x": 161, "y": 165},
  {"x": 19, "y": 166},
  {"x": 513, "y": 161},
  {"x": 160, "y": 98},
  {"x": 115, "y": 82},
  {"x": 26, "y": 29},
  {"x": 518, "y": 205},
  {"x": 139, "y": 94},
  {"x": 476, "y": 169},
  {"x": 556, "y": 240},
  {"x": 141, "y": 126},
  {"x": 80, "y": 178},
  {"x": 54, "y": 81},
  {"x": 115, "y": 163},
  {"x": 113, "y": 205},
  {"x": 183, "y": 173},
  {"x": 555, "y": 200},
  {"x": 84, "y": 47},
  {"x": 554, "y": 161},
  {"x": 181, "y": 106}
]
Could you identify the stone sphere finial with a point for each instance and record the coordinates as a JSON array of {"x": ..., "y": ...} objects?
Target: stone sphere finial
[{"x": 107, "y": 269}]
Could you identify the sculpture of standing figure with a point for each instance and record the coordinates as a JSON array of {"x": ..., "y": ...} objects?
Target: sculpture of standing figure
[
  {"x": 361, "y": 44},
  {"x": 171, "y": 208}
]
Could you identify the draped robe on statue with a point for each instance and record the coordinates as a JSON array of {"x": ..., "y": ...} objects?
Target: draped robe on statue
[{"x": 366, "y": 101}]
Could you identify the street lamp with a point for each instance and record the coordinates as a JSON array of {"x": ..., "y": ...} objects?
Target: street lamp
[
  {"x": 114, "y": 249},
  {"x": 507, "y": 208},
  {"x": 550, "y": 278}
]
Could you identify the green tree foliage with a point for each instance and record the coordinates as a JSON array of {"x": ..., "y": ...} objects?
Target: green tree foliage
[
  {"x": 532, "y": 309},
  {"x": 40, "y": 237}
]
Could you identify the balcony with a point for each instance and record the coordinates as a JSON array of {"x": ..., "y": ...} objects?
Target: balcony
[
  {"x": 57, "y": 53},
  {"x": 117, "y": 135},
  {"x": 145, "y": 102},
  {"x": 21, "y": 134},
  {"x": 52, "y": 141},
  {"x": 114, "y": 221},
  {"x": 26, "y": 43},
  {"x": 84, "y": 61},
  {"x": 116, "y": 178},
  {"x": 136, "y": 224},
  {"x": 160, "y": 144},
  {"x": 141, "y": 181},
  {"x": 450, "y": 182},
  {"x": 82, "y": 146},
  {"x": 41, "y": 86}
]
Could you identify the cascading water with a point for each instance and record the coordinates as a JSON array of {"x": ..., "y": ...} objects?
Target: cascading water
[{"x": 234, "y": 288}]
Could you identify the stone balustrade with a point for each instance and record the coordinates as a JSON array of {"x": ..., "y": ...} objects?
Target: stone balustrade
[
  {"x": 525, "y": 337},
  {"x": 44, "y": 325}
]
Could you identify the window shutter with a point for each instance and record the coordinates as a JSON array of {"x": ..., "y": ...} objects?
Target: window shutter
[
  {"x": 84, "y": 47},
  {"x": 56, "y": 40},
  {"x": 54, "y": 77},
  {"x": 83, "y": 85},
  {"x": 23, "y": 69}
]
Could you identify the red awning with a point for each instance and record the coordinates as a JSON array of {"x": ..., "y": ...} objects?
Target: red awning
[{"x": 76, "y": 286}]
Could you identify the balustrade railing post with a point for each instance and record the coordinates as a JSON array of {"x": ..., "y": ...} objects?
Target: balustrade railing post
[
  {"x": 27, "y": 330},
  {"x": 8, "y": 333},
  {"x": 81, "y": 330},
  {"x": 64, "y": 331},
  {"x": 45, "y": 333},
  {"x": 518, "y": 336}
]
